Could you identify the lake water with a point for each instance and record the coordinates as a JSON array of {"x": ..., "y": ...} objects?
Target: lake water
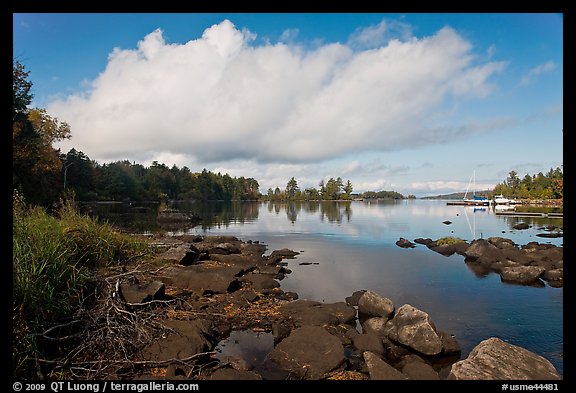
[{"x": 351, "y": 246}]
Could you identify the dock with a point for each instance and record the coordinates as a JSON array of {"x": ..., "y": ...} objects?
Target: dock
[
  {"x": 468, "y": 203},
  {"x": 530, "y": 214}
]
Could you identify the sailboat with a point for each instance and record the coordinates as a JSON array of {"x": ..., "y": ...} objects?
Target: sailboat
[{"x": 476, "y": 199}]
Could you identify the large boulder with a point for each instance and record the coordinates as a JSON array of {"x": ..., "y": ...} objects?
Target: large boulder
[
  {"x": 371, "y": 303},
  {"x": 522, "y": 274},
  {"x": 497, "y": 360},
  {"x": 481, "y": 249},
  {"x": 415, "y": 329},
  {"x": 309, "y": 352}
]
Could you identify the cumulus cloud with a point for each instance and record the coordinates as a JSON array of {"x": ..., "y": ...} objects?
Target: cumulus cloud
[{"x": 220, "y": 97}]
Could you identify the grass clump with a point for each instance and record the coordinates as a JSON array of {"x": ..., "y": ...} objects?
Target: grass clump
[
  {"x": 444, "y": 241},
  {"x": 52, "y": 258}
]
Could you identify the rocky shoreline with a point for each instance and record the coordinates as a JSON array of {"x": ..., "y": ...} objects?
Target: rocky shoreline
[
  {"x": 530, "y": 264},
  {"x": 166, "y": 319}
]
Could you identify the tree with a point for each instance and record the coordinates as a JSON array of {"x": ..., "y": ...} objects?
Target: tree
[
  {"x": 513, "y": 181},
  {"x": 79, "y": 174},
  {"x": 322, "y": 190},
  {"x": 332, "y": 189},
  {"x": 22, "y": 96},
  {"x": 277, "y": 194},
  {"x": 291, "y": 188},
  {"x": 36, "y": 166},
  {"x": 348, "y": 189}
]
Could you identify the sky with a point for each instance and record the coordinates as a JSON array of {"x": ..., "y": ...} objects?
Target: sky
[{"x": 417, "y": 103}]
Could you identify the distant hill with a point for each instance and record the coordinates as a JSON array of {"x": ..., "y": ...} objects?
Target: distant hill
[{"x": 458, "y": 195}]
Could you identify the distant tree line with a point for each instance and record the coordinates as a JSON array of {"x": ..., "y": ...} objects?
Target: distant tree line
[
  {"x": 123, "y": 180},
  {"x": 333, "y": 189},
  {"x": 383, "y": 195},
  {"x": 539, "y": 186}
]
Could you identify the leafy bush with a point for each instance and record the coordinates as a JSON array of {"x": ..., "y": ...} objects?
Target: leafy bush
[{"x": 448, "y": 240}]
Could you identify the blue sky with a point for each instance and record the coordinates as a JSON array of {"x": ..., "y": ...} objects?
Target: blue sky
[{"x": 414, "y": 103}]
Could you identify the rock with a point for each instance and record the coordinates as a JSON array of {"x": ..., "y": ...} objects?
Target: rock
[
  {"x": 280, "y": 332},
  {"x": 415, "y": 329},
  {"x": 142, "y": 293},
  {"x": 497, "y": 360},
  {"x": 188, "y": 338},
  {"x": 202, "y": 280},
  {"x": 246, "y": 262},
  {"x": 253, "y": 248},
  {"x": 554, "y": 275},
  {"x": 250, "y": 296},
  {"x": 309, "y": 312},
  {"x": 353, "y": 299},
  {"x": 230, "y": 374},
  {"x": 423, "y": 241},
  {"x": 368, "y": 342},
  {"x": 345, "y": 313},
  {"x": 481, "y": 248},
  {"x": 371, "y": 303},
  {"x": 260, "y": 281},
  {"x": 450, "y": 249},
  {"x": 283, "y": 253},
  {"x": 375, "y": 325},
  {"x": 380, "y": 370},
  {"x": 521, "y": 226},
  {"x": 405, "y": 243},
  {"x": 522, "y": 274},
  {"x": 309, "y": 352},
  {"x": 224, "y": 248},
  {"x": 418, "y": 370},
  {"x": 450, "y": 345},
  {"x": 183, "y": 254}
]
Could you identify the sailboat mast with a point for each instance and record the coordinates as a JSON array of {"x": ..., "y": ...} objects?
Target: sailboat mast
[{"x": 469, "y": 182}]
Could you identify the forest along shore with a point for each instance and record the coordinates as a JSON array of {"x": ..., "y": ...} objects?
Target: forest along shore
[{"x": 165, "y": 319}]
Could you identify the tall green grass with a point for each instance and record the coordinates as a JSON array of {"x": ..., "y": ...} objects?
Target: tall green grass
[{"x": 52, "y": 257}]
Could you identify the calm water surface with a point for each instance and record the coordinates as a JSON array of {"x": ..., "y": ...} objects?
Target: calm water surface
[{"x": 353, "y": 244}]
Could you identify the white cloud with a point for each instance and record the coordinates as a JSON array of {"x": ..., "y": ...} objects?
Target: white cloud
[
  {"x": 536, "y": 71},
  {"x": 219, "y": 98},
  {"x": 378, "y": 35},
  {"x": 289, "y": 35}
]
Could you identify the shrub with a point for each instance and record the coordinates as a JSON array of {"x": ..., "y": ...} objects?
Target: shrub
[
  {"x": 448, "y": 240},
  {"x": 51, "y": 260}
]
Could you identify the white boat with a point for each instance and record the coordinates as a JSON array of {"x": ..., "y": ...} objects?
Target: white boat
[{"x": 502, "y": 200}]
